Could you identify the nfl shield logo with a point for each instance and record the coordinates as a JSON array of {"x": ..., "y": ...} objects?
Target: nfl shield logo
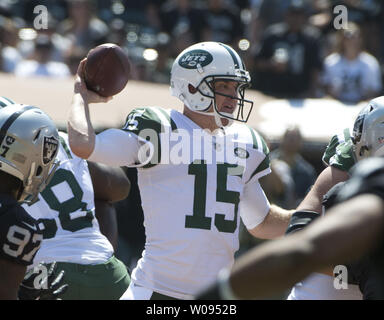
[{"x": 50, "y": 147}]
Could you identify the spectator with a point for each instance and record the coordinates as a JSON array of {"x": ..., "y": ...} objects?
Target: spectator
[
  {"x": 288, "y": 61},
  {"x": 264, "y": 14},
  {"x": 222, "y": 23},
  {"x": 351, "y": 74},
  {"x": 41, "y": 65},
  {"x": 83, "y": 27},
  {"x": 182, "y": 22},
  {"x": 73, "y": 58},
  {"x": 301, "y": 171},
  {"x": 9, "y": 55}
]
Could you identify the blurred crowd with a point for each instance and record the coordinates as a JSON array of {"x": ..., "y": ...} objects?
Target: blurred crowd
[{"x": 293, "y": 48}]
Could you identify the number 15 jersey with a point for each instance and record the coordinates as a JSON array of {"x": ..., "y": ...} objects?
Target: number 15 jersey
[{"x": 192, "y": 188}]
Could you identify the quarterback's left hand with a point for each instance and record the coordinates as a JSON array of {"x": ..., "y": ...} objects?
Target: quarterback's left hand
[{"x": 40, "y": 286}]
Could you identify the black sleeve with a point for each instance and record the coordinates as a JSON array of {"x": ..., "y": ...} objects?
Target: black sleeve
[
  {"x": 363, "y": 273},
  {"x": 367, "y": 177},
  {"x": 20, "y": 236},
  {"x": 329, "y": 199}
]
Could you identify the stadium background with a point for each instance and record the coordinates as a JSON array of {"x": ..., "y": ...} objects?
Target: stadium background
[{"x": 153, "y": 32}]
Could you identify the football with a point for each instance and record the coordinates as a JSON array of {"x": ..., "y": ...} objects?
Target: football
[{"x": 107, "y": 69}]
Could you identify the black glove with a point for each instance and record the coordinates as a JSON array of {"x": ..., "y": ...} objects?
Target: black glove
[
  {"x": 300, "y": 219},
  {"x": 49, "y": 287}
]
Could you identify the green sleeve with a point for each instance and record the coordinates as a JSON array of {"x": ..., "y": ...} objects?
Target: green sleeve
[{"x": 145, "y": 123}]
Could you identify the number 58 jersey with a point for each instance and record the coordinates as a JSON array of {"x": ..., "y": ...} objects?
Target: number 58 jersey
[
  {"x": 191, "y": 184},
  {"x": 65, "y": 212}
]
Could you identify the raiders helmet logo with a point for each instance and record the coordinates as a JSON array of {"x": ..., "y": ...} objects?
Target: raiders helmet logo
[
  {"x": 50, "y": 147},
  {"x": 193, "y": 58},
  {"x": 9, "y": 140}
]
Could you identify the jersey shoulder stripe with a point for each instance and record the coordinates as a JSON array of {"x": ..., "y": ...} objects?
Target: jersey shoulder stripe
[
  {"x": 148, "y": 123},
  {"x": 64, "y": 143},
  {"x": 261, "y": 146}
]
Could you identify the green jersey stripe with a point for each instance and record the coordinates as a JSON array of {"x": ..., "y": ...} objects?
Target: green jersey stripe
[
  {"x": 65, "y": 146},
  {"x": 254, "y": 139},
  {"x": 262, "y": 166}
]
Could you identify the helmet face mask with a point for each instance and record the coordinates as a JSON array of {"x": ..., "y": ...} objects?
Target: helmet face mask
[
  {"x": 368, "y": 130},
  {"x": 199, "y": 67},
  {"x": 29, "y": 143},
  {"x": 241, "y": 112}
]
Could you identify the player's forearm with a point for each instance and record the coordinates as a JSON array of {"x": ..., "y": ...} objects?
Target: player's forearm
[
  {"x": 270, "y": 268},
  {"x": 348, "y": 230},
  {"x": 81, "y": 134},
  {"x": 274, "y": 225}
]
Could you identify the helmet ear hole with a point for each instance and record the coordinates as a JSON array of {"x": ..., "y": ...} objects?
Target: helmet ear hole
[{"x": 192, "y": 89}]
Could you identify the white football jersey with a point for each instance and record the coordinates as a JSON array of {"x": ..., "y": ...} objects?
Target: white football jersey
[
  {"x": 191, "y": 185},
  {"x": 65, "y": 212}
]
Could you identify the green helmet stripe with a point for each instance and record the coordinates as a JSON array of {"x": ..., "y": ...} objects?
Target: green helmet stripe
[{"x": 235, "y": 61}]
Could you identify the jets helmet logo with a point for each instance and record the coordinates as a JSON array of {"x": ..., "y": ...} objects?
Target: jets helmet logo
[
  {"x": 50, "y": 147},
  {"x": 193, "y": 58}
]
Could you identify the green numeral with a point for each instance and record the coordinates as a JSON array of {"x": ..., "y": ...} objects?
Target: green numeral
[
  {"x": 224, "y": 195},
  {"x": 50, "y": 227},
  {"x": 67, "y": 207},
  {"x": 199, "y": 220}
]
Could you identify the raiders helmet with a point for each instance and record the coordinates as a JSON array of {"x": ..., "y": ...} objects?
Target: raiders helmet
[
  {"x": 29, "y": 143},
  {"x": 368, "y": 130}
]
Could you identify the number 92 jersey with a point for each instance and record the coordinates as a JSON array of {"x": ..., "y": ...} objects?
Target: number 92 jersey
[
  {"x": 20, "y": 236},
  {"x": 65, "y": 213},
  {"x": 191, "y": 184}
]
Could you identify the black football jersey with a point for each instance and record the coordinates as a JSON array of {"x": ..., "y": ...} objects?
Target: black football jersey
[
  {"x": 20, "y": 236},
  {"x": 368, "y": 272}
]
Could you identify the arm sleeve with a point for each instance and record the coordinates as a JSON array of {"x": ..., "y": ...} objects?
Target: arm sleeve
[
  {"x": 115, "y": 147},
  {"x": 254, "y": 205}
]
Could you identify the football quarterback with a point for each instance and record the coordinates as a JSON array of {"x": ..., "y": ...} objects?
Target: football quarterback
[{"x": 198, "y": 171}]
